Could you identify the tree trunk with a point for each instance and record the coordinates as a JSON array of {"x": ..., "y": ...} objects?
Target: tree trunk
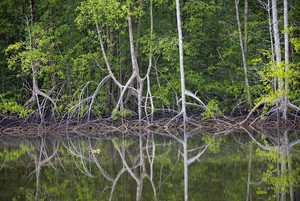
[
  {"x": 286, "y": 58},
  {"x": 135, "y": 67},
  {"x": 246, "y": 30},
  {"x": 277, "y": 47},
  {"x": 111, "y": 102},
  {"x": 183, "y": 104},
  {"x": 243, "y": 50},
  {"x": 34, "y": 68},
  {"x": 276, "y": 33},
  {"x": 272, "y": 45},
  {"x": 182, "y": 79},
  {"x": 185, "y": 165},
  {"x": 32, "y": 11},
  {"x": 289, "y": 160},
  {"x": 248, "y": 198},
  {"x": 149, "y": 94}
]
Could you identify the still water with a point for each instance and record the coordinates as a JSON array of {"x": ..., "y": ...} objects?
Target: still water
[{"x": 179, "y": 165}]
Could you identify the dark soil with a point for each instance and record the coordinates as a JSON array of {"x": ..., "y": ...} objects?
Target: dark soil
[{"x": 220, "y": 125}]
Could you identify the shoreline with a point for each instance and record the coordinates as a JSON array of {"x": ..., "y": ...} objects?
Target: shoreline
[{"x": 217, "y": 126}]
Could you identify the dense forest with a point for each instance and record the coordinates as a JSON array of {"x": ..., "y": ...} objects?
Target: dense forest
[{"x": 147, "y": 59}]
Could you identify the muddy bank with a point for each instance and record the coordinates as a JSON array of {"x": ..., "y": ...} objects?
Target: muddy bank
[{"x": 217, "y": 126}]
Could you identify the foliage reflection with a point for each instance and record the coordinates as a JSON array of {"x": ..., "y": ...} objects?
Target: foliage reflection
[{"x": 173, "y": 165}]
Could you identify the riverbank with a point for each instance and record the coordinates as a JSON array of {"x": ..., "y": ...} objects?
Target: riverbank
[{"x": 218, "y": 126}]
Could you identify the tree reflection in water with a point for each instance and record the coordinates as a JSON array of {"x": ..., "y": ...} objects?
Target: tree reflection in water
[
  {"x": 170, "y": 165},
  {"x": 275, "y": 149},
  {"x": 136, "y": 155},
  {"x": 39, "y": 152},
  {"x": 186, "y": 152}
]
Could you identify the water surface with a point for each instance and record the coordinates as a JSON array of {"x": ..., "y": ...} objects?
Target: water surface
[{"x": 241, "y": 165}]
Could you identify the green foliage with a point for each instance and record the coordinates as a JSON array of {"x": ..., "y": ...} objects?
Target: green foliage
[
  {"x": 126, "y": 113},
  {"x": 295, "y": 38},
  {"x": 212, "y": 142},
  {"x": 296, "y": 44},
  {"x": 212, "y": 110},
  {"x": 268, "y": 74},
  {"x": 63, "y": 44},
  {"x": 118, "y": 143},
  {"x": 277, "y": 175},
  {"x": 65, "y": 103},
  {"x": 164, "y": 158},
  {"x": 14, "y": 154},
  {"x": 270, "y": 176},
  {"x": 168, "y": 48},
  {"x": 106, "y": 12},
  {"x": 12, "y": 108},
  {"x": 272, "y": 155},
  {"x": 30, "y": 195},
  {"x": 116, "y": 113},
  {"x": 33, "y": 51}
]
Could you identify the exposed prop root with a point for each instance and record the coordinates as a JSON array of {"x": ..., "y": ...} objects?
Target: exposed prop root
[
  {"x": 253, "y": 110},
  {"x": 123, "y": 126}
]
